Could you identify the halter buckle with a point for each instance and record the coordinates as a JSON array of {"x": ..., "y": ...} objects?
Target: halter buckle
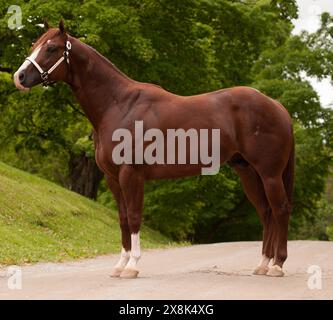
[
  {"x": 66, "y": 56},
  {"x": 66, "y": 52},
  {"x": 68, "y": 45},
  {"x": 44, "y": 76}
]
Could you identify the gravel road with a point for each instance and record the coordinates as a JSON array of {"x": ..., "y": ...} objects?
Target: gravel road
[{"x": 214, "y": 271}]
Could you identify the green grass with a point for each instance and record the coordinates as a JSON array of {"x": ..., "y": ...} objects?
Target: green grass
[{"x": 40, "y": 221}]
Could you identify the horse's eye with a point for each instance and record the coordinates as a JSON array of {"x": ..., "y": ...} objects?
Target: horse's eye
[{"x": 51, "y": 49}]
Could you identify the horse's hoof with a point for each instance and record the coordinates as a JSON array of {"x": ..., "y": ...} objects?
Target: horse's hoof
[
  {"x": 260, "y": 271},
  {"x": 129, "y": 273},
  {"x": 275, "y": 271},
  {"x": 116, "y": 272}
]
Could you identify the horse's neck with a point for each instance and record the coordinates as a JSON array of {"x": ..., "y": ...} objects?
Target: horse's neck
[{"x": 96, "y": 83}]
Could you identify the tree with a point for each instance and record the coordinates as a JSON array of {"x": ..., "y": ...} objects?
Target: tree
[
  {"x": 278, "y": 71},
  {"x": 188, "y": 47}
]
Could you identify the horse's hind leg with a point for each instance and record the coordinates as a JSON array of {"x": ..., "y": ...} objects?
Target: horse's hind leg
[
  {"x": 255, "y": 192},
  {"x": 277, "y": 198}
]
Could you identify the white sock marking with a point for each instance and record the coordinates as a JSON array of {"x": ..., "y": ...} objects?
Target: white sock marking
[
  {"x": 264, "y": 261},
  {"x": 124, "y": 257},
  {"x": 135, "y": 251}
]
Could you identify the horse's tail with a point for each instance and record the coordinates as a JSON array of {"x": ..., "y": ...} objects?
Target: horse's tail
[{"x": 289, "y": 172}]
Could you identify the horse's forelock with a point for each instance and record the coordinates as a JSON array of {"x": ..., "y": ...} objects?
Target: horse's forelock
[{"x": 44, "y": 37}]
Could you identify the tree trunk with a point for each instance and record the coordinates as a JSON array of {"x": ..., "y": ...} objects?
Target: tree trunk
[
  {"x": 8, "y": 70},
  {"x": 84, "y": 175}
]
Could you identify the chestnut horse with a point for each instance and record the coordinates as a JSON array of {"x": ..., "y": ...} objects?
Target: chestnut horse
[{"x": 256, "y": 138}]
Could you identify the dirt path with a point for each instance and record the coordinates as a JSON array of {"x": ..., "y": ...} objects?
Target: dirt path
[{"x": 217, "y": 271}]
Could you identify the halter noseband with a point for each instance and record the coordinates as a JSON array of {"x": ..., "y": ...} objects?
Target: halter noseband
[{"x": 45, "y": 74}]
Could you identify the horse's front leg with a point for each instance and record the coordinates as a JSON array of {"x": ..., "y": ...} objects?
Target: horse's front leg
[
  {"x": 114, "y": 186},
  {"x": 131, "y": 181}
]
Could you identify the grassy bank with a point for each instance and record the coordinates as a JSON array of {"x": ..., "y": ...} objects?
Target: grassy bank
[{"x": 40, "y": 221}]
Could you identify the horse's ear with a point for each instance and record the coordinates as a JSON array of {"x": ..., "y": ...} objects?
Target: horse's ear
[
  {"x": 61, "y": 26},
  {"x": 46, "y": 25}
]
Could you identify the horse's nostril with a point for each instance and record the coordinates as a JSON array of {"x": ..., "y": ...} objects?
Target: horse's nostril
[{"x": 21, "y": 76}]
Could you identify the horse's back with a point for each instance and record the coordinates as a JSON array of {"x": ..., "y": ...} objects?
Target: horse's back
[{"x": 251, "y": 106}]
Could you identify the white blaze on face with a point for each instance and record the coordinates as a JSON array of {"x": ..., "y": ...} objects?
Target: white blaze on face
[
  {"x": 25, "y": 64},
  {"x": 135, "y": 251}
]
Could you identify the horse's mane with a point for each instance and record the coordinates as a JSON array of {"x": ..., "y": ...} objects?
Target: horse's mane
[{"x": 106, "y": 60}]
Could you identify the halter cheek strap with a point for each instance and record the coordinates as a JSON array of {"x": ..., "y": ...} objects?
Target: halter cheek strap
[{"x": 45, "y": 74}]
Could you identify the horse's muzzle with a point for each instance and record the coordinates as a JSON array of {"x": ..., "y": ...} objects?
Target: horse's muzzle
[{"x": 25, "y": 79}]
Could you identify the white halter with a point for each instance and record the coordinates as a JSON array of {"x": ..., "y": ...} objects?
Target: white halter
[{"x": 45, "y": 74}]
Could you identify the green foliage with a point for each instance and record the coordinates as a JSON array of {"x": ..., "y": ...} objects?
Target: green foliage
[
  {"x": 188, "y": 47},
  {"x": 312, "y": 168},
  {"x": 282, "y": 74},
  {"x": 316, "y": 227},
  {"x": 278, "y": 72}
]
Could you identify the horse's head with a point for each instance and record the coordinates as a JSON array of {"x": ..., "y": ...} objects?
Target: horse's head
[{"x": 48, "y": 61}]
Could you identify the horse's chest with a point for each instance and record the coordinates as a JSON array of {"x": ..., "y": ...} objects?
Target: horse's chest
[{"x": 103, "y": 155}]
